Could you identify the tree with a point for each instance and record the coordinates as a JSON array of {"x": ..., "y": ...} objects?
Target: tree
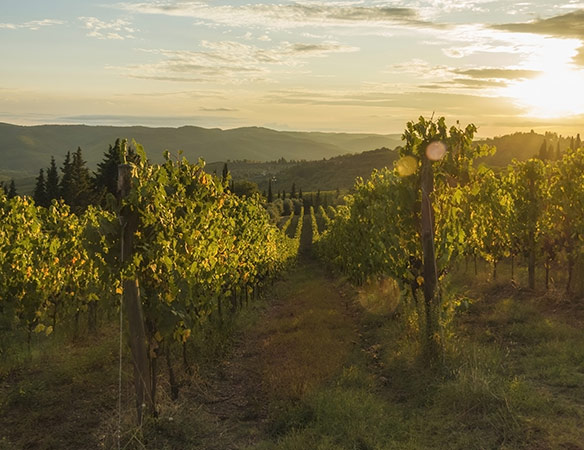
[
  {"x": 105, "y": 179},
  {"x": 81, "y": 182},
  {"x": 558, "y": 155},
  {"x": 11, "y": 189},
  {"x": 270, "y": 195},
  {"x": 293, "y": 191},
  {"x": 40, "y": 190},
  {"x": 52, "y": 184},
  {"x": 76, "y": 182},
  {"x": 543, "y": 151},
  {"x": 578, "y": 142},
  {"x": 300, "y": 193},
  {"x": 224, "y": 173},
  {"x": 67, "y": 189},
  {"x": 245, "y": 188}
]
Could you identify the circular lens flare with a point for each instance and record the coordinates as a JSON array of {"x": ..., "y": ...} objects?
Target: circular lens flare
[
  {"x": 406, "y": 166},
  {"x": 435, "y": 151}
]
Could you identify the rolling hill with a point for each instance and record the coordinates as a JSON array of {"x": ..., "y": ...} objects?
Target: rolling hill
[{"x": 26, "y": 149}]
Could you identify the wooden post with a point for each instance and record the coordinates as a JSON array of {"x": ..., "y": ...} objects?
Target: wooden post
[
  {"x": 431, "y": 300},
  {"x": 131, "y": 299}
]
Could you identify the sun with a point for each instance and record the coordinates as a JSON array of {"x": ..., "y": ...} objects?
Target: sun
[{"x": 554, "y": 94}]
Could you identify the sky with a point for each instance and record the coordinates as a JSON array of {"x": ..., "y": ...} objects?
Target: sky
[{"x": 353, "y": 66}]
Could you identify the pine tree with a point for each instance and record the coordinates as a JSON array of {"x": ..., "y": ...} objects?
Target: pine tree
[
  {"x": 105, "y": 179},
  {"x": 270, "y": 195},
  {"x": 66, "y": 186},
  {"x": 40, "y": 190},
  {"x": 82, "y": 183},
  {"x": 52, "y": 185}
]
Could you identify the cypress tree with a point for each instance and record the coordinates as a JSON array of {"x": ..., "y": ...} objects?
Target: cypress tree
[
  {"x": 578, "y": 142},
  {"x": 52, "y": 185},
  {"x": 11, "y": 189},
  {"x": 543, "y": 153},
  {"x": 40, "y": 190},
  {"x": 300, "y": 193},
  {"x": 558, "y": 152},
  {"x": 270, "y": 195},
  {"x": 225, "y": 172},
  {"x": 293, "y": 191}
]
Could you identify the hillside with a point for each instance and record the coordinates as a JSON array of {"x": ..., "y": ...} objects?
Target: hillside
[
  {"x": 521, "y": 146},
  {"x": 24, "y": 150},
  {"x": 325, "y": 174}
]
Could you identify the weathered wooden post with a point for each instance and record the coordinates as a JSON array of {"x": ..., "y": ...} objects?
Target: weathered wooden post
[
  {"x": 131, "y": 299},
  {"x": 431, "y": 298}
]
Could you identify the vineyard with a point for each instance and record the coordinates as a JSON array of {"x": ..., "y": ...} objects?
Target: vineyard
[{"x": 416, "y": 294}]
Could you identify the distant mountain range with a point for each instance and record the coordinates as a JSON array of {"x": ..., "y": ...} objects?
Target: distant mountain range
[
  {"x": 26, "y": 149},
  {"x": 310, "y": 159}
]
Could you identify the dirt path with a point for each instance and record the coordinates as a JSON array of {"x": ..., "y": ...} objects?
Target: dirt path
[{"x": 301, "y": 340}]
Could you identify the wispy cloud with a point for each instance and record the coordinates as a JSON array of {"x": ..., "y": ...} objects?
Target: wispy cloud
[
  {"x": 498, "y": 74},
  {"x": 31, "y": 25},
  {"x": 566, "y": 25},
  {"x": 284, "y": 16},
  {"x": 118, "y": 29},
  {"x": 229, "y": 61}
]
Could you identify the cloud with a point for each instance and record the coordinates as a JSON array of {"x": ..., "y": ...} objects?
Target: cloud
[
  {"x": 413, "y": 101},
  {"x": 285, "y": 16},
  {"x": 118, "y": 29},
  {"x": 567, "y": 25},
  {"x": 496, "y": 73},
  {"x": 229, "y": 61},
  {"x": 31, "y": 25},
  {"x": 570, "y": 25},
  {"x": 218, "y": 110},
  {"x": 153, "y": 120}
]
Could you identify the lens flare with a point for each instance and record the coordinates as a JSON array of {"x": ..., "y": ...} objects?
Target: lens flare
[
  {"x": 406, "y": 166},
  {"x": 435, "y": 151}
]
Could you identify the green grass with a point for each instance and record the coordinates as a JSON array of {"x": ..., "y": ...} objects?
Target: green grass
[
  {"x": 324, "y": 367},
  {"x": 512, "y": 378}
]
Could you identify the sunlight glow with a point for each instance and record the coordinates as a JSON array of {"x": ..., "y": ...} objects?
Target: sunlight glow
[{"x": 554, "y": 94}]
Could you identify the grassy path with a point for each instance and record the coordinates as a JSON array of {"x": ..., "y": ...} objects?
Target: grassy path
[{"x": 299, "y": 343}]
